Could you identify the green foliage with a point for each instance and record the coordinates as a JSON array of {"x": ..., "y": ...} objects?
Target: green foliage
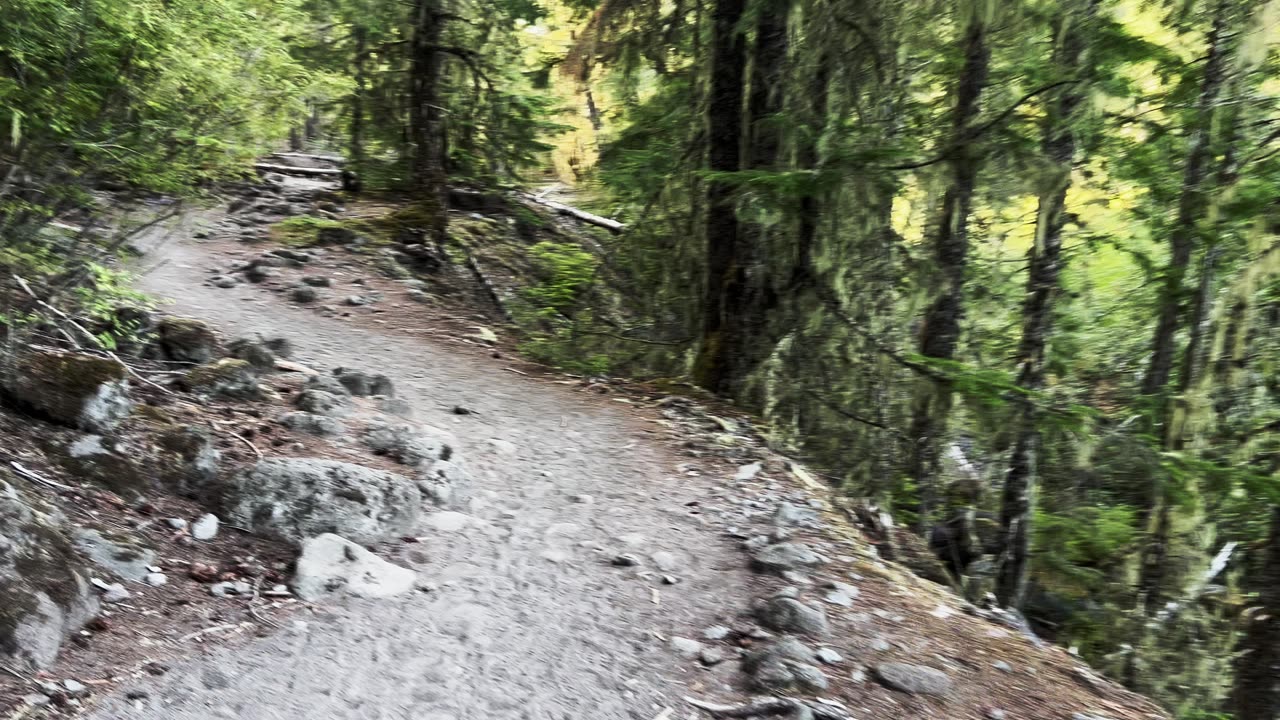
[{"x": 567, "y": 271}]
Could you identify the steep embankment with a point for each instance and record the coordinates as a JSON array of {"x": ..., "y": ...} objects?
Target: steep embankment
[{"x": 599, "y": 570}]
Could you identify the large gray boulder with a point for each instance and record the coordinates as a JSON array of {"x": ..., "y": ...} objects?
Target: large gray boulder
[
  {"x": 785, "y": 613},
  {"x": 913, "y": 679},
  {"x": 297, "y": 498},
  {"x": 81, "y": 391},
  {"x": 330, "y": 563},
  {"x": 785, "y": 556},
  {"x": 417, "y": 446},
  {"x": 45, "y": 593},
  {"x": 120, "y": 555},
  {"x": 784, "y": 665}
]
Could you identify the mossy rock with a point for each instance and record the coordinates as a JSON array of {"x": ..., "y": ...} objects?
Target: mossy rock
[
  {"x": 187, "y": 340},
  {"x": 82, "y": 391},
  {"x": 228, "y": 377},
  {"x": 44, "y": 586}
]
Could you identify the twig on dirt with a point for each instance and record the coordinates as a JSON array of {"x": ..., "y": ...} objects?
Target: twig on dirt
[
  {"x": 13, "y": 672},
  {"x": 208, "y": 630},
  {"x": 34, "y": 476},
  {"x": 796, "y": 709},
  {"x": 518, "y": 372},
  {"x": 237, "y": 436},
  {"x": 253, "y": 610}
]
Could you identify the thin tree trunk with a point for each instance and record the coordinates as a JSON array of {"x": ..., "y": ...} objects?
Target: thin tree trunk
[
  {"x": 940, "y": 333},
  {"x": 358, "y": 100},
  {"x": 1058, "y": 145},
  {"x": 426, "y": 123},
  {"x": 725, "y": 275},
  {"x": 1172, "y": 301},
  {"x": 1257, "y": 686},
  {"x": 1182, "y": 238}
]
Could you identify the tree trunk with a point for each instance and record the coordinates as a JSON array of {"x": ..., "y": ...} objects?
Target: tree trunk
[
  {"x": 1182, "y": 238},
  {"x": 1058, "y": 145},
  {"x": 940, "y": 332},
  {"x": 426, "y": 125},
  {"x": 358, "y": 99},
  {"x": 754, "y": 332},
  {"x": 1152, "y": 580},
  {"x": 725, "y": 274},
  {"x": 1257, "y": 687}
]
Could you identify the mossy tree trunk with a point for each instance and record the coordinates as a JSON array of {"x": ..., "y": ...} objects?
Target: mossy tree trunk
[
  {"x": 426, "y": 121},
  {"x": 1058, "y": 145},
  {"x": 715, "y": 367},
  {"x": 940, "y": 330}
]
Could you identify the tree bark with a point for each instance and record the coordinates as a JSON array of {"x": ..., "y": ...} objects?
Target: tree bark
[
  {"x": 358, "y": 99},
  {"x": 1152, "y": 579},
  {"x": 1058, "y": 145},
  {"x": 426, "y": 121},
  {"x": 1182, "y": 238},
  {"x": 940, "y": 331},
  {"x": 754, "y": 333},
  {"x": 725, "y": 275},
  {"x": 1257, "y": 686}
]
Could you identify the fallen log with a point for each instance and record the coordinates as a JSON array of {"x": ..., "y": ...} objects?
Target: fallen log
[
  {"x": 291, "y": 170},
  {"x": 335, "y": 159},
  {"x": 586, "y": 217}
]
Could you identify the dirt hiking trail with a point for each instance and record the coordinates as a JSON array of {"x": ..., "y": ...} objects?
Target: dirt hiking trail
[
  {"x": 529, "y": 620},
  {"x": 598, "y": 569}
]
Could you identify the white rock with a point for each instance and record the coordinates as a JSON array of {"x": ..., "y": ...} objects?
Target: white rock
[
  {"x": 686, "y": 647},
  {"x": 156, "y": 579},
  {"x": 330, "y": 563},
  {"x": 176, "y": 523},
  {"x": 447, "y": 521},
  {"x": 747, "y": 472},
  {"x": 205, "y": 527}
]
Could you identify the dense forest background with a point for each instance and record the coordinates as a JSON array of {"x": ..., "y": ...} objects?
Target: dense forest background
[{"x": 1007, "y": 271}]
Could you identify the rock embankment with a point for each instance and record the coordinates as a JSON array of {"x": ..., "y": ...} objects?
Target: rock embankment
[{"x": 81, "y": 546}]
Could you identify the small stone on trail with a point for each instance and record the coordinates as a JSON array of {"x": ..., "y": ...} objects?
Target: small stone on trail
[
  {"x": 330, "y": 562},
  {"x": 665, "y": 561},
  {"x": 316, "y": 280},
  {"x": 670, "y": 579},
  {"x": 36, "y": 700},
  {"x": 1002, "y": 666},
  {"x": 829, "y": 656},
  {"x": 716, "y": 632},
  {"x": 75, "y": 688},
  {"x": 747, "y": 472},
  {"x": 356, "y": 300},
  {"x": 995, "y": 714},
  {"x": 205, "y": 527},
  {"x": 582, "y": 499},
  {"x": 155, "y": 579},
  {"x": 229, "y": 589},
  {"x": 176, "y": 523},
  {"x": 686, "y": 647},
  {"x": 711, "y": 656},
  {"x": 224, "y": 281},
  {"x": 626, "y": 560},
  {"x": 112, "y": 592},
  {"x": 914, "y": 679},
  {"x": 304, "y": 294}
]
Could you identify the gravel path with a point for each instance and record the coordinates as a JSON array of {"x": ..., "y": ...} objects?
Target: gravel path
[{"x": 530, "y": 620}]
